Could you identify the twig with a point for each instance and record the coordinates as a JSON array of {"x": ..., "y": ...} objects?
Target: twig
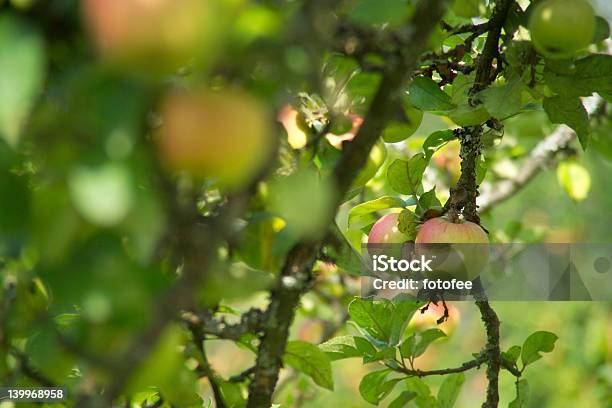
[
  {"x": 250, "y": 322},
  {"x": 468, "y": 365},
  {"x": 24, "y": 366},
  {"x": 296, "y": 274},
  {"x": 511, "y": 368},
  {"x": 540, "y": 157},
  {"x": 204, "y": 367},
  {"x": 242, "y": 376}
]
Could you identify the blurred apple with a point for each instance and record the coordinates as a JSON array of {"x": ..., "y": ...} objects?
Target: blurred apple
[
  {"x": 156, "y": 35},
  {"x": 448, "y": 161},
  {"x": 295, "y": 126},
  {"x": 311, "y": 331},
  {"x": 225, "y": 136},
  {"x": 377, "y": 155},
  {"x": 429, "y": 318}
]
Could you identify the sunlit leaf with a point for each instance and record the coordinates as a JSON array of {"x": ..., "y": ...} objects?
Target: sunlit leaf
[
  {"x": 575, "y": 180},
  {"x": 536, "y": 343}
]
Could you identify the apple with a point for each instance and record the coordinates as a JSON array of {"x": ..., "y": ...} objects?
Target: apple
[
  {"x": 295, "y": 126},
  {"x": 311, "y": 330},
  {"x": 385, "y": 236},
  {"x": 463, "y": 262},
  {"x": 447, "y": 159},
  {"x": 155, "y": 35},
  {"x": 386, "y": 231},
  {"x": 225, "y": 136},
  {"x": 377, "y": 156},
  {"x": 429, "y": 319},
  {"x": 559, "y": 28}
]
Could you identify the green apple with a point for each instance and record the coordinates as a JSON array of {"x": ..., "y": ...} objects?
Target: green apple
[{"x": 559, "y": 28}]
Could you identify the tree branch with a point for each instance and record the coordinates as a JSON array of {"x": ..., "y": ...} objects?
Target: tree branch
[
  {"x": 204, "y": 368},
  {"x": 493, "y": 352},
  {"x": 468, "y": 365},
  {"x": 296, "y": 274},
  {"x": 197, "y": 241},
  {"x": 491, "y": 51},
  {"x": 24, "y": 366},
  {"x": 543, "y": 155},
  {"x": 250, "y": 322},
  {"x": 463, "y": 196}
]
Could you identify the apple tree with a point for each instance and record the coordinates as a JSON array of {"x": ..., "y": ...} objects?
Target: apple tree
[{"x": 177, "y": 174}]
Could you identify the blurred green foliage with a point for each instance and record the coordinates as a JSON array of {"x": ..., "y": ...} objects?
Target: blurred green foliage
[{"x": 93, "y": 227}]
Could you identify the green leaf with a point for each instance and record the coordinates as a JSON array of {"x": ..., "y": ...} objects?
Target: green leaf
[
  {"x": 482, "y": 166},
  {"x": 540, "y": 341},
  {"x": 575, "y": 180},
  {"x": 590, "y": 74},
  {"x": 404, "y": 398},
  {"x": 233, "y": 394},
  {"x": 374, "y": 316},
  {"x": 22, "y": 71},
  {"x": 407, "y": 346},
  {"x": 419, "y": 386},
  {"x": 360, "y": 215},
  {"x": 602, "y": 29},
  {"x": 405, "y": 176},
  {"x": 374, "y": 386},
  {"x": 417, "y": 343},
  {"x": 466, "y": 8},
  {"x": 570, "y": 111},
  {"x": 386, "y": 353},
  {"x": 522, "y": 395},
  {"x": 408, "y": 223},
  {"x": 503, "y": 101},
  {"x": 340, "y": 348},
  {"x": 369, "y": 12},
  {"x": 425, "y": 94},
  {"x": 364, "y": 346},
  {"x": 426, "y": 338},
  {"x": 512, "y": 354},
  {"x": 308, "y": 359},
  {"x": 429, "y": 199},
  {"x": 403, "y": 311},
  {"x": 467, "y": 115},
  {"x": 424, "y": 398},
  {"x": 436, "y": 140},
  {"x": 343, "y": 251},
  {"x": 449, "y": 390},
  {"x": 397, "y": 131}
]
